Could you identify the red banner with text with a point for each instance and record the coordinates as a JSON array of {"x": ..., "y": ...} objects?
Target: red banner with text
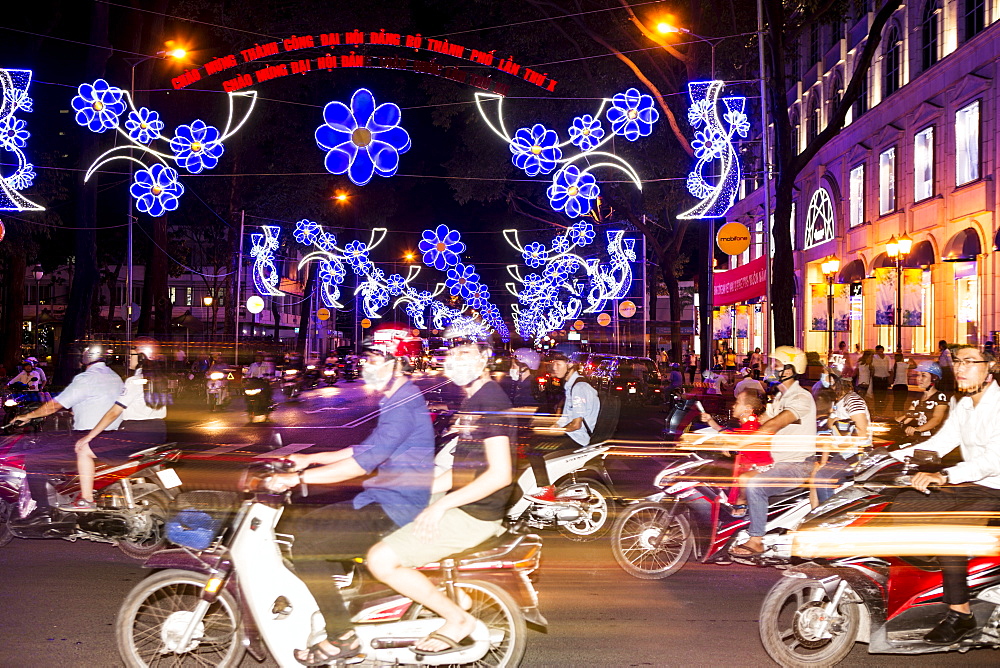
[{"x": 740, "y": 284}]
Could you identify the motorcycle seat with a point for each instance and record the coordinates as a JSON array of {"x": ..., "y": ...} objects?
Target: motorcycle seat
[{"x": 493, "y": 549}]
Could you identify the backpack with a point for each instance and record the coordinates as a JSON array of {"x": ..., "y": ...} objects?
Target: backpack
[{"x": 607, "y": 416}]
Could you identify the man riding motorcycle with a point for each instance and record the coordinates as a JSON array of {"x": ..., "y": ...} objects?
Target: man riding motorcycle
[
  {"x": 400, "y": 451},
  {"x": 793, "y": 421},
  {"x": 965, "y": 493},
  {"x": 90, "y": 395}
]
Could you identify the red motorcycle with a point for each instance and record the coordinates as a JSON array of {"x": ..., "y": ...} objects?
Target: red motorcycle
[
  {"x": 815, "y": 614},
  {"x": 132, "y": 499}
]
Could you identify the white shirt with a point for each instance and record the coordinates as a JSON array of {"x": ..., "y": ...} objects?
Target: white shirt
[
  {"x": 29, "y": 378},
  {"x": 976, "y": 429},
  {"x": 261, "y": 370},
  {"x": 90, "y": 395},
  {"x": 944, "y": 359},
  {"x": 797, "y": 441},
  {"x": 881, "y": 366},
  {"x": 901, "y": 374},
  {"x": 748, "y": 383},
  {"x": 133, "y": 400},
  {"x": 581, "y": 402}
]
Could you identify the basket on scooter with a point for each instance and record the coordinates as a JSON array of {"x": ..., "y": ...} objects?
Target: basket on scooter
[{"x": 200, "y": 517}]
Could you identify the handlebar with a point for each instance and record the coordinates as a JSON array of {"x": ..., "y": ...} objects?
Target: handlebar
[{"x": 255, "y": 482}]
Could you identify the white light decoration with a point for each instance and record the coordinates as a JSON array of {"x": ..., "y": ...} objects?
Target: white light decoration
[
  {"x": 715, "y": 185},
  {"x": 820, "y": 219},
  {"x": 156, "y": 187},
  {"x": 265, "y": 274},
  {"x": 14, "y": 139},
  {"x": 255, "y": 305},
  {"x": 537, "y": 149}
]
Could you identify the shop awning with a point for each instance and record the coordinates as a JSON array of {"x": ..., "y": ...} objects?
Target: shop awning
[
  {"x": 852, "y": 272},
  {"x": 963, "y": 246},
  {"x": 922, "y": 255},
  {"x": 882, "y": 260}
]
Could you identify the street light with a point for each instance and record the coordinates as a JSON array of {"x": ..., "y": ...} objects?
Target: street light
[
  {"x": 207, "y": 301},
  {"x": 666, "y": 28},
  {"x": 830, "y": 266},
  {"x": 898, "y": 250}
]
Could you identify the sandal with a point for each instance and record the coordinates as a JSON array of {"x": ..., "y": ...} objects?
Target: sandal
[
  {"x": 347, "y": 645},
  {"x": 452, "y": 645},
  {"x": 744, "y": 552},
  {"x": 738, "y": 510}
]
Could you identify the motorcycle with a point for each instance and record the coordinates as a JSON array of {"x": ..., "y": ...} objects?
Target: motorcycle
[
  {"x": 347, "y": 369},
  {"x": 690, "y": 515},
  {"x": 257, "y": 397},
  {"x": 291, "y": 383},
  {"x": 330, "y": 375},
  {"x": 232, "y": 590},
  {"x": 132, "y": 501},
  {"x": 217, "y": 390},
  {"x": 815, "y": 614},
  {"x": 311, "y": 377},
  {"x": 18, "y": 399}
]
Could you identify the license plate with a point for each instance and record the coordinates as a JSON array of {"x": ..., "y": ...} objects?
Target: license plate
[
  {"x": 169, "y": 478},
  {"x": 631, "y": 390}
]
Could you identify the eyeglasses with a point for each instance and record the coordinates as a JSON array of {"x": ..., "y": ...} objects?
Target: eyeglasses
[{"x": 959, "y": 362}]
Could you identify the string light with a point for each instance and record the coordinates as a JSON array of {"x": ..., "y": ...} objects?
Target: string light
[{"x": 14, "y": 139}]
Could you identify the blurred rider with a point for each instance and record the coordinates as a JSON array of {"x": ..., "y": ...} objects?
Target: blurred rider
[
  {"x": 90, "y": 395},
  {"x": 400, "y": 453}
]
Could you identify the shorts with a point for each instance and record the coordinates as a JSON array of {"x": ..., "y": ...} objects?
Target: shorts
[{"x": 457, "y": 532}]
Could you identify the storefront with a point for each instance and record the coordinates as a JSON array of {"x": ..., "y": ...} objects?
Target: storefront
[{"x": 738, "y": 308}]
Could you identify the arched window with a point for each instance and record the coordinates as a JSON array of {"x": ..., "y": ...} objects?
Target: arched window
[
  {"x": 820, "y": 219},
  {"x": 835, "y": 94},
  {"x": 861, "y": 105},
  {"x": 973, "y": 18},
  {"x": 812, "y": 121},
  {"x": 890, "y": 63},
  {"x": 793, "y": 120},
  {"x": 929, "y": 33}
]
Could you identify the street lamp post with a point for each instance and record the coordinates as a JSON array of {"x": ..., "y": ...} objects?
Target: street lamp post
[
  {"x": 898, "y": 250},
  {"x": 207, "y": 302},
  {"x": 38, "y": 304},
  {"x": 829, "y": 267}
]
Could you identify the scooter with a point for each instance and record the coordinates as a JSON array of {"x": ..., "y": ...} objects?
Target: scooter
[
  {"x": 132, "y": 500},
  {"x": 257, "y": 398},
  {"x": 691, "y": 515},
  {"x": 18, "y": 399},
  {"x": 231, "y": 590},
  {"x": 217, "y": 390},
  {"x": 291, "y": 382},
  {"x": 330, "y": 375},
  {"x": 815, "y": 614}
]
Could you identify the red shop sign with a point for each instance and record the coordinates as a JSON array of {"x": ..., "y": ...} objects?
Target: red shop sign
[{"x": 740, "y": 284}]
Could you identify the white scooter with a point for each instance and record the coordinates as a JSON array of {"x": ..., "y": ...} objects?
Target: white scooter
[{"x": 233, "y": 591}]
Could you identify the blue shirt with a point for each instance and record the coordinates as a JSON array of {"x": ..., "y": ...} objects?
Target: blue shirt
[{"x": 401, "y": 448}]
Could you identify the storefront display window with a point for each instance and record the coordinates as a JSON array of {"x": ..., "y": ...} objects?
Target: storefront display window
[{"x": 966, "y": 302}]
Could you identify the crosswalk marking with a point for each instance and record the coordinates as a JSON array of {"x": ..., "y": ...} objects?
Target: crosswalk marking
[{"x": 289, "y": 449}]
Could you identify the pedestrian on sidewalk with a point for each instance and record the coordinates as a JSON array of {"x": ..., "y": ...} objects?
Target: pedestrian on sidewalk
[{"x": 881, "y": 374}]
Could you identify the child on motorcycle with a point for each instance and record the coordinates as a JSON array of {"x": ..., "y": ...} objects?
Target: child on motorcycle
[{"x": 748, "y": 408}]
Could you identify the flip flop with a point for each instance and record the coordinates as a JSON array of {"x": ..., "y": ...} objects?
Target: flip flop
[
  {"x": 739, "y": 510},
  {"x": 744, "y": 552},
  {"x": 453, "y": 646}
]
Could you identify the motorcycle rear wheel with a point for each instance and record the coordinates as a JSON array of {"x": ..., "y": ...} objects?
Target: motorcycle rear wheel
[
  {"x": 502, "y": 616},
  {"x": 599, "y": 512},
  {"x": 154, "y": 536},
  {"x": 632, "y": 541},
  {"x": 786, "y": 618},
  {"x": 154, "y": 611}
]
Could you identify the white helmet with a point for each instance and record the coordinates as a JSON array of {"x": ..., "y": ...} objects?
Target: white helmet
[
  {"x": 90, "y": 354},
  {"x": 528, "y": 357},
  {"x": 791, "y": 356}
]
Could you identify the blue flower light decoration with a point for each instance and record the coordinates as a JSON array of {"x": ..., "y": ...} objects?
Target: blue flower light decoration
[
  {"x": 738, "y": 121},
  {"x": 307, "y": 231},
  {"x": 14, "y": 132},
  {"x": 560, "y": 244},
  {"x": 441, "y": 247},
  {"x": 708, "y": 145},
  {"x": 332, "y": 270},
  {"x": 396, "y": 284},
  {"x": 479, "y": 298},
  {"x": 99, "y": 105},
  {"x": 462, "y": 280},
  {"x": 143, "y": 125},
  {"x": 535, "y": 254},
  {"x": 581, "y": 233},
  {"x": 363, "y": 139},
  {"x": 535, "y": 150},
  {"x": 356, "y": 253},
  {"x": 586, "y": 132},
  {"x": 197, "y": 146},
  {"x": 632, "y": 114},
  {"x": 23, "y": 177},
  {"x": 573, "y": 191},
  {"x": 156, "y": 190}
]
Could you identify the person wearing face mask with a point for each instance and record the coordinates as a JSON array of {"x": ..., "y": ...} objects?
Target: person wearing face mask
[
  {"x": 967, "y": 493},
  {"x": 468, "y": 501},
  {"x": 400, "y": 453}
]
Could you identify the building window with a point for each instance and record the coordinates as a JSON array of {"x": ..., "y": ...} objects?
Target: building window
[
  {"x": 791, "y": 229},
  {"x": 929, "y": 34},
  {"x": 836, "y": 33},
  {"x": 887, "y": 181},
  {"x": 967, "y": 144},
  {"x": 974, "y": 18},
  {"x": 796, "y": 139},
  {"x": 820, "y": 220},
  {"x": 813, "y": 43},
  {"x": 857, "y": 196},
  {"x": 836, "y": 94},
  {"x": 890, "y": 63},
  {"x": 812, "y": 121},
  {"x": 793, "y": 62},
  {"x": 923, "y": 164},
  {"x": 172, "y": 293},
  {"x": 861, "y": 105}
]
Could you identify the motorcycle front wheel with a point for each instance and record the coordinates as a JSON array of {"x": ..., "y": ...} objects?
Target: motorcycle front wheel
[
  {"x": 791, "y": 619},
  {"x": 646, "y": 547},
  {"x": 495, "y": 608},
  {"x": 598, "y": 511},
  {"x": 155, "y": 614}
]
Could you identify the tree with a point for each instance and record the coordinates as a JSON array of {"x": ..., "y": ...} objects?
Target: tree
[{"x": 784, "y": 21}]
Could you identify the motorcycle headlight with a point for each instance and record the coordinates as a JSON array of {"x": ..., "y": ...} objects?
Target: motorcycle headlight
[
  {"x": 10, "y": 402},
  {"x": 216, "y": 375},
  {"x": 253, "y": 392},
  {"x": 329, "y": 372},
  {"x": 311, "y": 367},
  {"x": 291, "y": 372}
]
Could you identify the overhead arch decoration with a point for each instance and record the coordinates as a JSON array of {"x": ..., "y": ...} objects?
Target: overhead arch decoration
[
  {"x": 716, "y": 175},
  {"x": 156, "y": 186},
  {"x": 335, "y": 43},
  {"x": 537, "y": 150},
  {"x": 14, "y": 136}
]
